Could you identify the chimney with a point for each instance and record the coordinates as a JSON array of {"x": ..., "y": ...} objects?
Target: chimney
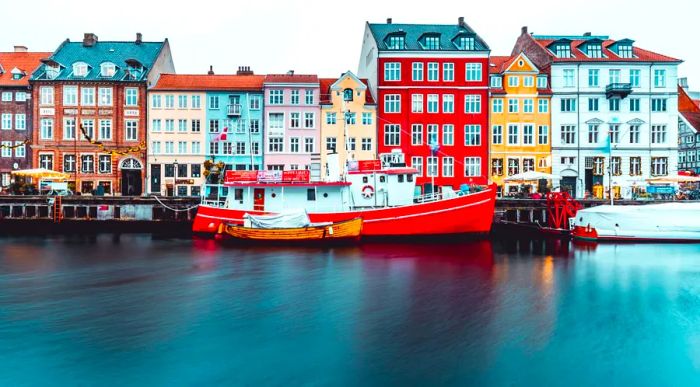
[
  {"x": 460, "y": 21},
  {"x": 21, "y": 49},
  {"x": 290, "y": 72},
  {"x": 683, "y": 83},
  {"x": 244, "y": 70},
  {"x": 523, "y": 30},
  {"x": 211, "y": 70},
  {"x": 586, "y": 34},
  {"x": 139, "y": 38},
  {"x": 388, "y": 20},
  {"x": 89, "y": 39}
]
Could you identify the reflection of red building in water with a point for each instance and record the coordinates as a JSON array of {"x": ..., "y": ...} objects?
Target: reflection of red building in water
[
  {"x": 431, "y": 84},
  {"x": 100, "y": 86}
]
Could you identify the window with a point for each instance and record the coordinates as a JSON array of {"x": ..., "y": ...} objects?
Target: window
[
  {"x": 417, "y": 103},
  {"x": 433, "y": 134},
  {"x": 7, "y": 96},
  {"x": 350, "y": 118},
  {"x": 309, "y": 120},
  {"x": 196, "y": 147},
  {"x": 448, "y": 166},
  {"x": 472, "y": 104},
  {"x": 351, "y": 145},
  {"x": 614, "y": 75},
  {"x": 432, "y": 43},
  {"x": 396, "y": 42},
  {"x": 497, "y": 134},
  {"x": 465, "y": 43},
  {"x": 658, "y": 104},
  {"x": 21, "y": 96},
  {"x": 659, "y": 166},
  {"x": 80, "y": 69},
  {"x": 659, "y": 78},
  {"x": 392, "y": 135},
  {"x": 512, "y": 105},
  {"x": 169, "y": 147},
  {"x": 513, "y": 135},
  {"x": 309, "y": 97},
  {"x": 417, "y": 163},
  {"x": 20, "y": 121},
  {"x": 131, "y": 96},
  {"x": 417, "y": 71},
  {"x": 276, "y": 121},
  {"x": 448, "y": 103},
  {"x": 543, "y": 106},
  {"x": 6, "y": 121},
  {"x": 331, "y": 144},
  {"x": 156, "y": 101},
  {"x": 295, "y": 120},
  {"x": 155, "y": 147},
  {"x": 169, "y": 126},
  {"x": 182, "y": 126},
  {"x": 107, "y": 70},
  {"x": 593, "y": 130},
  {"x": 433, "y": 104},
  {"x": 496, "y": 81},
  {"x": 46, "y": 161},
  {"x": 541, "y": 81},
  {"x": 105, "y": 164},
  {"x": 87, "y": 96},
  {"x": 614, "y": 134},
  {"x": 366, "y": 144},
  {"x": 528, "y": 134},
  {"x": 568, "y": 104},
  {"x": 70, "y": 95},
  {"x": 105, "y": 129},
  {"x": 276, "y": 97},
  {"x": 196, "y": 126},
  {"x": 255, "y": 148},
  {"x": 309, "y": 145},
  {"x": 635, "y": 166},
  {"x": 416, "y": 134},
  {"x": 472, "y": 166},
  {"x": 433, "y": 71},
  {"x": 528, "y": 105},
  {"x": 68, "y": 163},
  {"x": 593, "y": 104},
  {"x": 88, "y": 128},
  {"x": 473, "y": 71},
  {"x": 293, "y": 145},
  {"x": 448, "y": 72},
  {"x": 497, "y": 105},
  {"x": 131, "y": 130},
  {"x": 616, "y": 166},
  {"x": 170, "y": 101},
  {"x": 181, "y": 101},
  {"x": 197, "y": 102},
  {"x": 105, "y": 94},
  {"x": 593, "y": 78},
  {"x": 366, "y": 118},
  {"x": 528, "y": 165},
  {"x": 528, "y": 81},
  {"x": 87, "y": 164},
  {"x": 614, "y": 104},
  {"x": 348, "y": 95},
  {"x": 635, "y": 76},
  {"x": 634, "y": 104},
  {"x": 253, "y": 103},
  {"x": 331, "y": 118},
  {"x": 472, "y": 135},
  {"x": 635, "y": 131},
  {"x": 497, "y": 167},
  {"x": 543, "y": 134},
  {"x": 562, "y": 51},
  {"x": 392, "y": 71},
  {"x": 543, "y": 162},
  {"x": 658, "y": 134},
  {"x": 295, "y": 97},
  {"x": 513, "y": 167},
  {"x": 568, "y": 78},
  {"x": 513, "y": 81},
  {"x": 46, "y": 95},
  {"x": 568, "y": 134},
  {"x": 432, "y": 166},
  {"x": 69, "y": 128},
  {"x": 156, "y": 125},
  {"x": 6, "y": 149},
  {"x": 275, "y": 144},
  {"x": 392, "y": 103},
  {"x": 46, "y": 128},
  {"x": 448, "y": 134}
]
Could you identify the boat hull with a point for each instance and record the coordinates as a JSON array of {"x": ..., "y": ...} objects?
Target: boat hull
[
  {"x": 347, "y": 230},
  {"x": 468, "y": 214}
]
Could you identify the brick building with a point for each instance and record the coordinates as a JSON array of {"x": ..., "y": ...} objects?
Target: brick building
[
  {"x": 102, "y": 86},
  {"x": 15, "y": 109}
]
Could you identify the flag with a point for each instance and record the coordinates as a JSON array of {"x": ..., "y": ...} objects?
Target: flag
[{"x": 222, "y": 136}]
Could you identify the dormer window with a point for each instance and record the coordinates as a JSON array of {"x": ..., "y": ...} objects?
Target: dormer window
[
  {"x": 108, "y": 69},
  {"x": 465, "y": 42},
  {"x": 347, "y": 95},
  {"x": 624, "y": 51},
  {"x": 431, "y": 42},
  {"x": 594, "y": 51},
  {"x": 562, "y": 51},
  {"x": 52, "y": 71},
  {"x": 80, "y": 69},
  {"x": 17, "y": 74},
  {"x": 496, "y": 81},
  {"x": 396, "y": 42},
  {"x": 134, "y": 72},
  {"x": 16, "y": 77}
]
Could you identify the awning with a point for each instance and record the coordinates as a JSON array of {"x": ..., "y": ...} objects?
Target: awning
[
  {"x": 42, "y": 173},
  {"x": 531, "y": 176}
]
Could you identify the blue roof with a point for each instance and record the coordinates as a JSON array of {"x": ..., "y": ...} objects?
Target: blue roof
[
  {"x": 117, "y": 53},
  {"x": 414, "y": 33}
]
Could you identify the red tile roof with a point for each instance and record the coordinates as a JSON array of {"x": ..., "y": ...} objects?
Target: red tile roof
[
  {"x": 293, "y": 78},
  {"x": 497, "y": 64},
  {"x": 326, "y": 84},
  {"x": 689, "y": 109},
  {"x": 25, "y": 61},
  {"x": 209, "y": 82},
  {"x": 640, "y": 55}
]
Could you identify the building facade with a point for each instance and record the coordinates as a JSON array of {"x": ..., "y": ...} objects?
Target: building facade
[
  {"x": 688, "y": 129},
  {"x": 292, "y": 123},
  {"x": 90, "y": 111},
  {"x": 348, "y": 121},
  {"x": 520, "y": 120},
  {"x": 431, "y": 85},
  {"x": 614, "y": 111}
]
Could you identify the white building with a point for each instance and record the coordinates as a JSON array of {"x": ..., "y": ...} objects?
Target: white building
[{"x": 614, "y": 111}]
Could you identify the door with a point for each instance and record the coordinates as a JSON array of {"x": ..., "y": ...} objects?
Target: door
[
  {"x": 568, "y": 184},
  {"x": 259, "y": 199},
  {"x": 155, "y": 178},
  {"x": 588, "y": 181},
  {"x": 131, "y": 182}
]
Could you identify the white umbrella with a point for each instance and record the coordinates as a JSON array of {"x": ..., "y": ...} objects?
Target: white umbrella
[
  {"x": 532, "y": 176},
  {"x": 673, "y": 179}
]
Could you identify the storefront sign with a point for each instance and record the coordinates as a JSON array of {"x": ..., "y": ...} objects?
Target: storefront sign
[
  {"x": 184, "y": 181},
  {"x": 47, "y": 111},
  {"x": 131, "y": 113},
  {"x": 70, "y": 112}
]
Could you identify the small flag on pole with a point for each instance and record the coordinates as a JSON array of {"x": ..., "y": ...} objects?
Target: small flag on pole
[{"x": 223, "y": 135}]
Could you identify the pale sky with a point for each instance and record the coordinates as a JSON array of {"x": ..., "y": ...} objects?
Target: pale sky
[{"x": 324, "y": 37}]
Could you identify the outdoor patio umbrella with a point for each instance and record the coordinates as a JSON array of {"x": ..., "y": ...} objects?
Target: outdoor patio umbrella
[
  {"x": 673, "y": 179},
  {"x": 531, "y": 176},
  {"x": 41, "y": 173}
]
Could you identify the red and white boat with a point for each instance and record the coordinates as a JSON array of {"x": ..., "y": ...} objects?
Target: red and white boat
[{"x": 382, "y": 193}]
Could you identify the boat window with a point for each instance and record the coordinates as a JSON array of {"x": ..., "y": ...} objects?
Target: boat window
[
  {"x": 325, "y": 194},
  {"x": 365, "y": 179},
  {"x": 238, "y": 194},
  {"x": 310, "y": 194},
  {"x": 409, "y": 177},
  {"x": 400, "y": 178},
  {"x": 382, "y": 179},
  {"x": 274, "y": 195}
]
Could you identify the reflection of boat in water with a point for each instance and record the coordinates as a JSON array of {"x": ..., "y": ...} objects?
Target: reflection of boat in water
[
  {"x": 278, "y": 228},
  {"x": 652, "y": 222}
]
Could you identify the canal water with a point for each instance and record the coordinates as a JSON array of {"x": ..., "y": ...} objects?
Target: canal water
[{"x": 141, "y": 310}]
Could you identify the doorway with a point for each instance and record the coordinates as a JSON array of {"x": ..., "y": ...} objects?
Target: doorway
[
  {"x": 131, "y": 182},
  {"x": 259, "y": 199},
  {"x": 568, "y": 184},
  {"x": 155, "y": 179}
]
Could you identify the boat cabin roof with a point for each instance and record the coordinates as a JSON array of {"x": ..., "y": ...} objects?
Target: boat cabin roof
[{"x": 262, "y": 184}]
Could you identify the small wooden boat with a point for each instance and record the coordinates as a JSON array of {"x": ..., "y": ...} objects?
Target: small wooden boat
[{"x": 319, "y": 232}]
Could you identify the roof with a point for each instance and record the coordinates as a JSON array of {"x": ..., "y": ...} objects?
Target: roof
[
  {"x": 205, "y": 82},
  {"x": 414, "y": 32},
  {"x": 291, "y": 78},
  {"x": 498, "y": 64},
  {"x": 325, "y": 86},
  {"x": 689, "y": 109},
  {"x": 639, "y": 54},
  {"x": 115, "y": 52},
  {"x": 25, "y": 62}
]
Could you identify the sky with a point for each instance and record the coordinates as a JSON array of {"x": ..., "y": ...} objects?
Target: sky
[{"x": 325, "y": 37}]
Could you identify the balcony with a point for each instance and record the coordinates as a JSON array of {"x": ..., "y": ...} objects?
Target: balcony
[
  {"x": 620, "y": 90},
  {"x": 234, "y": 110}
]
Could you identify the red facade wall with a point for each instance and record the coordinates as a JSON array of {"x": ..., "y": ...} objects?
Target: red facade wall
[
  {"x": 13, "y": 107},
  {"x": 459, "y": 88}
]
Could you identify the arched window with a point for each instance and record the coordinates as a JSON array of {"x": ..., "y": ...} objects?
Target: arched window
[
  {"x": 80, "y": 69},
  {"x": 108, "y": 69},
  {"x": 347, "y": 95}
]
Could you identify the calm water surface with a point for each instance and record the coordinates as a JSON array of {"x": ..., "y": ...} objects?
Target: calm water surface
[{"x": 138, "y": 310}]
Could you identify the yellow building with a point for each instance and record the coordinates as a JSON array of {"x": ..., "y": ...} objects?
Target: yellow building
[
  {"x": 520, "y": 120},
  {"x": 348, "y": 115}
]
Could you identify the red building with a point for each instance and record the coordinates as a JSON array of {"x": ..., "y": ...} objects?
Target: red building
[
  {"x": 431, "y": 84},
  {"x": 101, "y": 88}
]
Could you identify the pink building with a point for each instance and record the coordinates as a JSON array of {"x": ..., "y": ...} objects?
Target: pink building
[{"x": 292, "y": 122}]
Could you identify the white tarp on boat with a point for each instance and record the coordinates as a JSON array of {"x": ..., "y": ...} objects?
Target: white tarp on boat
[
  {"x": 287, "y": 219},
  {"x": 679, "y": 220}
]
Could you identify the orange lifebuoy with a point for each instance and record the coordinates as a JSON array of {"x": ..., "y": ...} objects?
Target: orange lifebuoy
[{"x": 368, "y": 191}]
